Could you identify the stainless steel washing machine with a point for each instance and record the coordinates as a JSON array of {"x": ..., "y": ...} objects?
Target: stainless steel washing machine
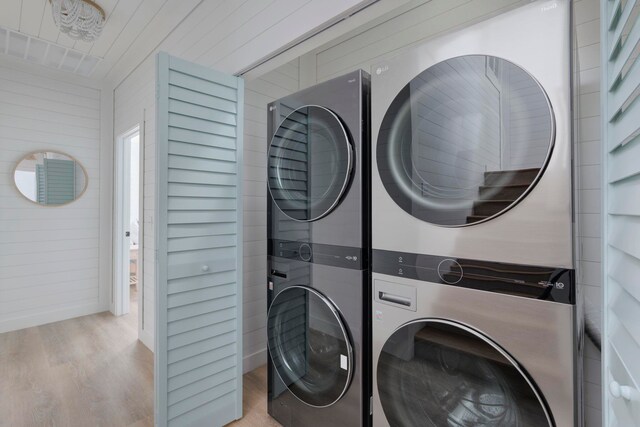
[
  {"x": 460, "y": 342},
  {"x": 471, "y": 137}
]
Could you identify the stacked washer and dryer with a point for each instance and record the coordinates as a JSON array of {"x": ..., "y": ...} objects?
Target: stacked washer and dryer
[
  {"x": 471, "y": 295},
  {"x": 475, "y": 306},
  {"x": 319, "y": 296}
]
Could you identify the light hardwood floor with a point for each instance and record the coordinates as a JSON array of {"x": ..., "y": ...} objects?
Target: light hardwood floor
[
  {"x": 87, "y": 371},
  {"x": 92, "y": 371},
  {"x": 254, "y": 406}
]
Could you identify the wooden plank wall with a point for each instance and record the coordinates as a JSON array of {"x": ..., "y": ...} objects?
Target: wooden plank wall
[{"x": 49, "y": 256}]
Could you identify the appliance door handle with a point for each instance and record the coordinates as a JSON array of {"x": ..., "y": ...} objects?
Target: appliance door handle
[
  {"x": 278, "y": 274},
  {"x": 396, "y": 299}
]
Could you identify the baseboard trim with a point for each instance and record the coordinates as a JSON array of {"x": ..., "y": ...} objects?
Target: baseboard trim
[
  {"x": 255, "y": 360},
  {"x": 147, "y": 339},
  {"x": 50, "y": 317}
]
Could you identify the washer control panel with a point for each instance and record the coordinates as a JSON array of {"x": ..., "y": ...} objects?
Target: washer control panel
[
  {"x": 333, "y": 255},
  {"x": 547, "y": 283}
]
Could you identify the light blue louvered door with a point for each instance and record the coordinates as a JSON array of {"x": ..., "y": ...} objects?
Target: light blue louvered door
[
  {"x": 621, "y": 211},
  {"x": 198, "y": 359}
]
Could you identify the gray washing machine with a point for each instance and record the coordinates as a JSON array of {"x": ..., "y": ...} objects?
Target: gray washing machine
[
  {"x": 477, "y": 319},
  {"x": 318, "y": 232},
  {"x": 318, "y": 346}
]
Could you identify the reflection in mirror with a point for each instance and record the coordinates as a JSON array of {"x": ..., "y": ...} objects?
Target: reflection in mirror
[
  {"x": 465, "y": 140},
  {"x": 50, "y": 178},
  {"x": 309, "y": 163}
]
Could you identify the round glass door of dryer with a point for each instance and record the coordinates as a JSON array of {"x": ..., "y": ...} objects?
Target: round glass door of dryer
[
  {"x": 438, "y": 373},
  {"x": 309, "y": 345},
  {"x": 465, "y": 140},
  {"x": 310, "y": 161}
]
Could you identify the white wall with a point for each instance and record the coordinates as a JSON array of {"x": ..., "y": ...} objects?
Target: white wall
[
  {"x": 50, "y": 257},
  {"x": 134, "y": 104},
  {"x": 388, "y": 36},
  {"x": 258, "y": 93},
  {"x": 587, "y": 30}
]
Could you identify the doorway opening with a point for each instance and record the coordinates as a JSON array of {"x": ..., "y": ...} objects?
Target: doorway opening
[{"x": 128, "y": 298}]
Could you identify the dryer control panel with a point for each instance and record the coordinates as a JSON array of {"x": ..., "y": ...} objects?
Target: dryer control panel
[{"x": 546, "y": 283}]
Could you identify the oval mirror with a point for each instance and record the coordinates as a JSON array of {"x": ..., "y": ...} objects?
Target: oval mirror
[{"x": 50, "y": 178}]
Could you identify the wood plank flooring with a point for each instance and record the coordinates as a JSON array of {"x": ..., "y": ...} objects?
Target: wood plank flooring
[
  {"x": 254, "y": 405},
  {"x": 87, "y": 371},
  {"x": 92, "y": 371}
]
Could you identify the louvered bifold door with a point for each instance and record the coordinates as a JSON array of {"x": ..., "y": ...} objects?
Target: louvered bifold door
[
  {"x": 621, "y": 249},
  {"x": 198, "y": 242}
]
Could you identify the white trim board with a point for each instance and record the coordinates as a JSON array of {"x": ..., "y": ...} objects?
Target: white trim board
[
  {"x": 51, "y": 317},
  {"x": 254, "y": 360}
]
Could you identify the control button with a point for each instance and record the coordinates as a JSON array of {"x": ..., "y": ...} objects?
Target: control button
[
  {"x": 450, "y": 271},
  {"x": 305, "y": 252}
]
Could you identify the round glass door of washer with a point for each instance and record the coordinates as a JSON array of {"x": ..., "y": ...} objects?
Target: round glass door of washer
[
  {"x": 310, "y": 161},
  {"x": 465, "y": 140},
  {"x": 309, "y": 346},
  {"x": 437, "y": 373}
]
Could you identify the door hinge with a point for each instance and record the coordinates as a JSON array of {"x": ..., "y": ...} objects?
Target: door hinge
[{"x": 371, "y": 405}]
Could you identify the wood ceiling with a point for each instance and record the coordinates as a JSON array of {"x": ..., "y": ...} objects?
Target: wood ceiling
[{"x": 132, "y": 26}]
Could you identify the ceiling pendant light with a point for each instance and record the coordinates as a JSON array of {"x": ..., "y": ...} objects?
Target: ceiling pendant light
[{"x": 80, "y": 19}]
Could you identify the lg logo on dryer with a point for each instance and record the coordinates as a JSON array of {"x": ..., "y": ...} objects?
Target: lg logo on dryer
[{"x": 382, "y": 69}]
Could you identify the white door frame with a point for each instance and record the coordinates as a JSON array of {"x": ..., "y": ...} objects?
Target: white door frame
[{"x": 120, "y": 299}]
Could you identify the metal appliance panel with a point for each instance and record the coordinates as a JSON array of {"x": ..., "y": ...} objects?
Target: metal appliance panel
[
  {"x": 540, "y": 335},
  {"x": 347, "y": 223},
  {"x": 347, "y": 289},
  {"x": 538, "y": 230}
]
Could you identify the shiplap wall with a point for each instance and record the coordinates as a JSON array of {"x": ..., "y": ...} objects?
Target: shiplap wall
[
  {"x": 49, "y": 256},
  {"x": 258, "y": 93},
  {"x": 135, "y": 97},
  {"x": 588, "y": 160},
  {"x": 389, "y": 36}
]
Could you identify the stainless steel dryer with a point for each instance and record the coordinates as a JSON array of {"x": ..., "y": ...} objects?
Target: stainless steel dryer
[
  {"x": 471, "y": 137},
  {"x": 319, "y": 329}
]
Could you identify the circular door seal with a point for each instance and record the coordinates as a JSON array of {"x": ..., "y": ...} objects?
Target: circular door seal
[
  {"x": 309, "y": 345},
  {"x": 450, "y": 374},
  {"x": 465, "y": 140},
  {"x": 309, "y": 164}
]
